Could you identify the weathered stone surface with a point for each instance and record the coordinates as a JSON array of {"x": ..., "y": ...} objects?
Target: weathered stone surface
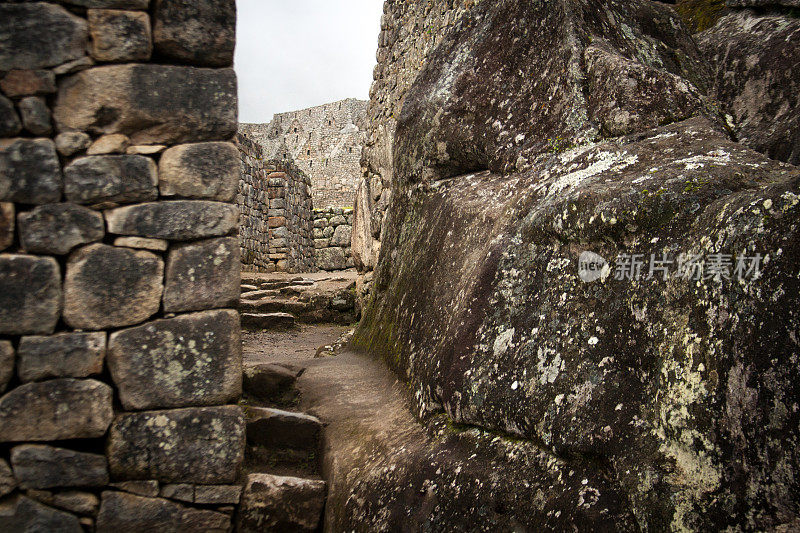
[
  {"x": 114, "y": 143},
  {"x": 200, "y": 33},
  {"x": 181, "y": 491},
  {"x": 7, "y": 481},
  {"x": 191, "y": 360},
  {"x": 479, "y": 304},
  {"x": 82, "y": 503},
  {"x": 179, "y": 220},
  {"x": 364, "y": 245},
  {"x": 145, "y": 149},
  {"x": 38, "y": 35},
  {"x": 119, "y": 36},
  {"x": 22, "y": 514},
  {"x": 579, "y": 81},
  {"x": 109, "y": 4},
  {"x": 217, "y": 494},
  {"x": 342, "y": 236},
  {"x": 157, "y": 245},
  {"x": 6, "y": 365},
  {"x": 28, "y": 83},
  {"x": 37, "y": 466},
  {"x": 71, "y": 142},
  {"x": 58, "y": 228},
  {"x": 111, "y": 178},
  {"x": 67, "y": 355},
  {"x": 269, "y": 382},
  {"x": 201, "y": 170},
  {"x": 106, "y": 286},
  {"x": 9, "y": 120},
  {"x": 35, "y": 115},
  {"x": 196, "y": 445},
  {"x": 29, "y": 171},
  {"x": 30, "y": 294},
  {"x": 56, "y": 410},
  {"x": 142, "y": 488},
  {"x": 262, "y": 321},
  {"x": 7, "y": 222},
  {"x": 331, "y": 259},
  {"x": 74, "y": 66},
  {"x": 126, "y": 512},
  {"x": 203, "y": 275},
  {"x": 274, "y": 428},
  {"x": 277, "y": 503},
  {"x": 753, "y": 60},
  {"x": 762, "y": 3},
  {"x": 191, "y": 104}
]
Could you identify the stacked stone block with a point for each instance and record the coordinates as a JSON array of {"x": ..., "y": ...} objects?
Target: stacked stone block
[
  {"x": 120, "y": 355},
  {"x": 275, "y": 201},
  {"x": 333, "y": 229}
]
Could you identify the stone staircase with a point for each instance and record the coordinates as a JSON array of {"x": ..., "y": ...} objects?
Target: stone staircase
[
  {"x": 283, "y": 489},
  {"x": 281, "y": 301}
]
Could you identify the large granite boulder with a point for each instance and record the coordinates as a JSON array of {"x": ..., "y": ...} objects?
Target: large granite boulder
[
  {"x": 195, "y": 445},
  {"x": 190, "y": 360},
  {"x": 754, "y": 59},
  {"x": 564, "y": 304},
  {"x": 56, "y": 410},
  {"x": 151, "y": 104}
]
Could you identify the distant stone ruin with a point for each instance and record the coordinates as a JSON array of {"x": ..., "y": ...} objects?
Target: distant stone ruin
[{"x": 325, "y": 142}]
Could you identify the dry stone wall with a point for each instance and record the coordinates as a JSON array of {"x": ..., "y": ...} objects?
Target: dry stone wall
[
  {"x": 333, "y": 229},
  {"x": 275, "y": 201},
  {"x": 120, "y": 355},
  {"x": 325, "y": 142}
]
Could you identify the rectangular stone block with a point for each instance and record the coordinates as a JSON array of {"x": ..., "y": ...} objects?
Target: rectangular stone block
[
  {"x": 56, "y": 410},
  {"x": 191, "y": 104},
  {"x": 190, "y": 360},
  {"x": 119, "y": 36},
  {"x": 6, "y": 225},
  {"x": 30, "y": 295},
  {"x": 111, "y": 178},
  {"x": 179, "y": 220},
  {"x": 197, "y": 445},
  {"x": 203, "y": 275},
  {"x": 202, "y": 170},
  {"x": 73, "y": 355},
  {"x": 37, "y": 466},
  {"x": 30, "y": 172}
]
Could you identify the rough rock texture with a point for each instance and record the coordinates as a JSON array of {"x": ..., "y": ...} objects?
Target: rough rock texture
[
  {"x": 190, "y": 104},
  {"x": 277, "y": 503},
  {"x": 37, "y": 466},
  {"x": 474, "y": 344},
  {"x": 113, "y": 143},
  {"x": 73, "y": 501},
  {"x": 71, "y": 142},
  {"x": 56, "y": 410},
  {"x": 58, "y": 228},
  {"x": 35, "y": 115},
  {"x": 109, "y": 4},
  {"x": 7, "y": 224},
  {"x": 107, "y": 286},
  {"x": 7, "y": 481},
  {"x": 274, "y": 428},
  {"x": 28, "y": 83},
  {"x": 9, "y": 120},
  {"x": 203, "y": 275},
  {"x": 202, "y": 32},
  {"x": 126, "y": 512},
  {"x": 179, "y": 220},
  {"x": 6, "y": 365},
  {"x": 111, "y": 178},
  {"x": 23, "y": 514},
  {"x": 37, "y": 35},
  {"x": 196, "y": 445},
  {"x": 29, "y": 171},
  {"x": 269, "y": 383},
  {"x": 142, "y": 243},
  {"x": 762, "y": 3},
  {"x": 201, "y": 170},
  {"x": 66, "y": 355},
  {"x": 331, "y": 259},
  {"x": 30, "y": 295},
  {"x": 191, "y": 360},
  {"x": 119, "y": 36},
  {"x": 753, "y": 60}
]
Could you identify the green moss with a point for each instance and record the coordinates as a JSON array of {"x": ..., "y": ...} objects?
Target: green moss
[{"x": 700, "y": 15}]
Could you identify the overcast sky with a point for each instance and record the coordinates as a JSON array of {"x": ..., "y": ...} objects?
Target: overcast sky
[{"x": 300, "y": 53}]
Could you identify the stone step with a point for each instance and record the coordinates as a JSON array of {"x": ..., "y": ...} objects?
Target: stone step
[
  {"x": 281, "y": 503},
  {"x": 247, "y": 288},
  {"x": 259, "y": 294},
  {"x": 274, "y": 320},
  {"x": 271, "y": 383},
  {"x": 283, "y": 430},
  {"x": 274, "y": 305}
]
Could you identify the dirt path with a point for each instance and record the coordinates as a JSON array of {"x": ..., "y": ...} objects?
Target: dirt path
[{"x": 296, "y": 346}]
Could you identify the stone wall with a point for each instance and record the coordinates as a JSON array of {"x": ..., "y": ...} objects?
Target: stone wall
[
  {"x": 325, "y": 142},
  {"x": 333, "y": 228},
  {"x": 275, "y": 202},
  {"x": 120, "y": 356}
]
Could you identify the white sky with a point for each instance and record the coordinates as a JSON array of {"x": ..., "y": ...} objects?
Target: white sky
[{"x": 300, "y": 53}]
